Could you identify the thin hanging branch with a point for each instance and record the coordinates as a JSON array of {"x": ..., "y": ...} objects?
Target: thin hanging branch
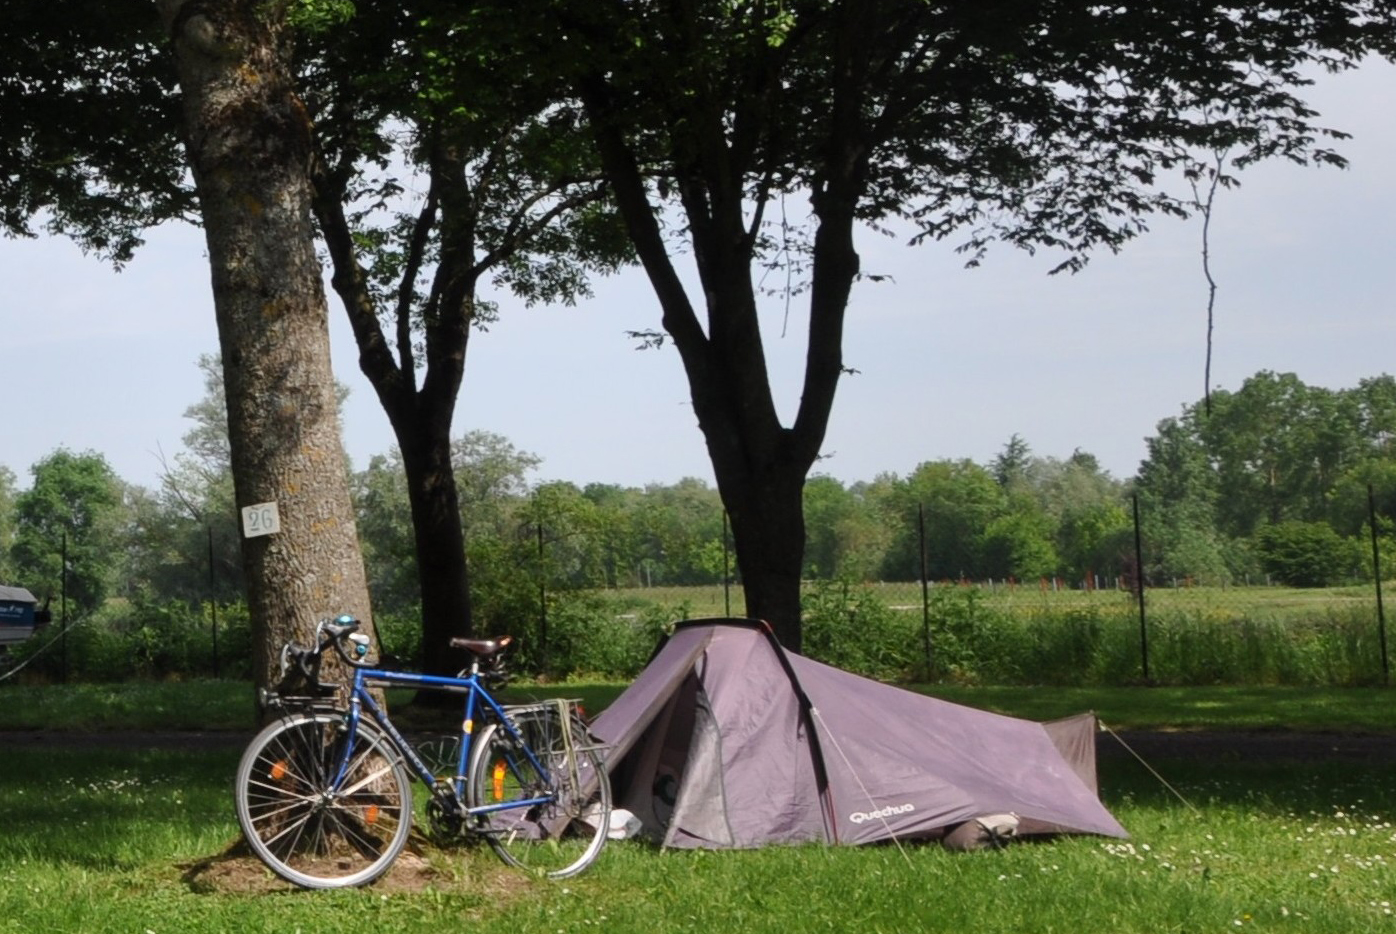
[{"x": 1219, "y": 159}]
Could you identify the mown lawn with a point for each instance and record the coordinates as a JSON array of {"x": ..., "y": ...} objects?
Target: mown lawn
[
  {"x": 228, "y": 705},
  {"x": 108, "y": 839},
  {"x": 99, "y": 840}
]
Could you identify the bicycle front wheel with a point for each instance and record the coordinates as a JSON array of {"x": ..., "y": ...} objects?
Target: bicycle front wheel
[
  {"x": 310, "y": 825},
  {"x": 564, "y": 828}
]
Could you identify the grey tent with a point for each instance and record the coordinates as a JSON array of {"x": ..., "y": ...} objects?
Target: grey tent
[{"x": 727, "y": 740}]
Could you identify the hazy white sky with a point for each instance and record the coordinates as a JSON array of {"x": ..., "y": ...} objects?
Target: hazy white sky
[{"x": 952, "y": 362}]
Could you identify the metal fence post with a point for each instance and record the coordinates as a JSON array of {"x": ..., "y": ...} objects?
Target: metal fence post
[
  {"x": 1376, "y": 576},
  {"x": 212, "y": 602},
  {"x": 542, "y": 598},
  {"x": 63, "y": 608},
  {"x": 925, "y": 588},
  {"x": 726, "y": 570},
  {"x": 1139, "y": 589}
]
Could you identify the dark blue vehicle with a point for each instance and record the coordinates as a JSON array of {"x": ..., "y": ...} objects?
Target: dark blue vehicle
[{"x": 20, "y": 615}]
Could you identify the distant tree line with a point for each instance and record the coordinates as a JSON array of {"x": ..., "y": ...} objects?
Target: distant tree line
[
  {"x": 1274, "y": 479},
  {"x": 1272, "y": 484}
]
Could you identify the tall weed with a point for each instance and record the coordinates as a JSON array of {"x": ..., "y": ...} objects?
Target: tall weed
[
  {"x": 972, "y": 641},
  {"x": 594, "y": 634},
  {"x": 847, "y": 625},
  {"x": 965, "y": 636},
  {"x": 142, "y": 639}
]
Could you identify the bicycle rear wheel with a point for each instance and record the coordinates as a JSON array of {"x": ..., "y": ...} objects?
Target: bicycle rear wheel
[
  {"x": 563, "y": 833},
  {"x": 309, "y": 829}
]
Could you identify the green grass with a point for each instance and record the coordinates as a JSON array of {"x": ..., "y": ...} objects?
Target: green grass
[
  {"x": 138, "y": 705},
  {"x": 227, "y": 705},
  {"x": 1262, "y": 852},
  {"x": 206, "y": 704},
  {"x": 1031, "y": 598},
  {"x": 1360, "y": 710},
  {"x": 99, "y": 841}
]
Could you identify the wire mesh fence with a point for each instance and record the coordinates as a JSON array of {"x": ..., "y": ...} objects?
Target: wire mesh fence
[
  {"x": 1101, "y": 628},
  {"x": 1113, "y": 626}
]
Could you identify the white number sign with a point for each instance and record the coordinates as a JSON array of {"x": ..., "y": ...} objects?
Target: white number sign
[{"x": 262, "y": 519}]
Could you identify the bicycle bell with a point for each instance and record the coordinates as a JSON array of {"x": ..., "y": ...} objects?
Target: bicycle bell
[{"x": 360, "y": 641}]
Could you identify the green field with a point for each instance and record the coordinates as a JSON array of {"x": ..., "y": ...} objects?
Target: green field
[
  {"x": 1001, "y": 634},
  {"x": 1236, "y": 602},
  {"x": 101, "y": 838}
]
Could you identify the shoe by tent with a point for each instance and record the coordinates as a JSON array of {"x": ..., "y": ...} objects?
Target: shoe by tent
[{"x": 727, "y": 740}]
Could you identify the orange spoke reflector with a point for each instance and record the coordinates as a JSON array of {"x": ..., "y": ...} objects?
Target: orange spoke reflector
[
  {"x": 499, "y": 780},
  {"x": 278, "y": 770},
  {"x": 371, "y": 814}
]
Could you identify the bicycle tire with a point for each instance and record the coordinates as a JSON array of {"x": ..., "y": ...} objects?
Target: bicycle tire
[
  {"x": 304, "y": 829},
  {"x": 557, "y": 839}
]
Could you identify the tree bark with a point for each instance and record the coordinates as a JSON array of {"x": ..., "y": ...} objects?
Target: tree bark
[
  {"x": 766, "y": 510},
  {"x": 249, "y": 146},
  {"x": 440, "y": 543},
  {"x": 759, "y": 464}
]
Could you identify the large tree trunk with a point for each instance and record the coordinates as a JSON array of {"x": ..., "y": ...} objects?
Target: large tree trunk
[
  {"x": 708, "y": 149},
  {"x": 249, "y": 145},
  {"x": 440, "y": 543},
  {"x": 421, "y": 415},
  {"x": 760, "y": 465},
  {"x": 765, "y": 507}
]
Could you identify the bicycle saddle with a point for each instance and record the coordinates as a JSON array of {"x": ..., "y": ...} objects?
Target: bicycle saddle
[{"x": 484, "y": 648}]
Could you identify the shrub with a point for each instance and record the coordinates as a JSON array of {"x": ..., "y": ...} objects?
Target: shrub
[
  {"x": 400, "y": 636},
  {"x": 234, "y": 641},
  {"x": 846, "y": 625},
  {"x": 590, "y": 633},
  {"x": 140, "y": 639},
  {"x": 971, "y": 642},
  {"x": 1306, "y": 554}
]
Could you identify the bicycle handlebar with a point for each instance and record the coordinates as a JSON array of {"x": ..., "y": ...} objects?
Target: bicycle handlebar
[
  {"x": 340, "y": 630},
  {"x": 306, "y": 659},
  {"x": 336, "y": 632}
]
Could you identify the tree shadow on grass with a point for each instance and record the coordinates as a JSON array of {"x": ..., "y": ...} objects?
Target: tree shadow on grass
[{"x": 1270, "y": 772}]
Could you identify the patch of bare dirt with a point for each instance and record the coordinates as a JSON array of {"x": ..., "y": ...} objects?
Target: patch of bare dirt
[{"x": 420, "y": 866}]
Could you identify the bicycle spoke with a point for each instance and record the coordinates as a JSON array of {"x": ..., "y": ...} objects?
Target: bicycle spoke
[
  {"x": 304, "y": 828},
  {"x": 546, "y": 838}
]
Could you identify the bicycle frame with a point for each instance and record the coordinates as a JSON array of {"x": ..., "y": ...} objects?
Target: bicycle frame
[
  {"x": 478, "y": 705},
  {"x": 325, "y": 799}
]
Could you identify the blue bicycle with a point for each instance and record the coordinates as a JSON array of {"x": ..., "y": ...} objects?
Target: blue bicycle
[{"x": 324, "y": 792}]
